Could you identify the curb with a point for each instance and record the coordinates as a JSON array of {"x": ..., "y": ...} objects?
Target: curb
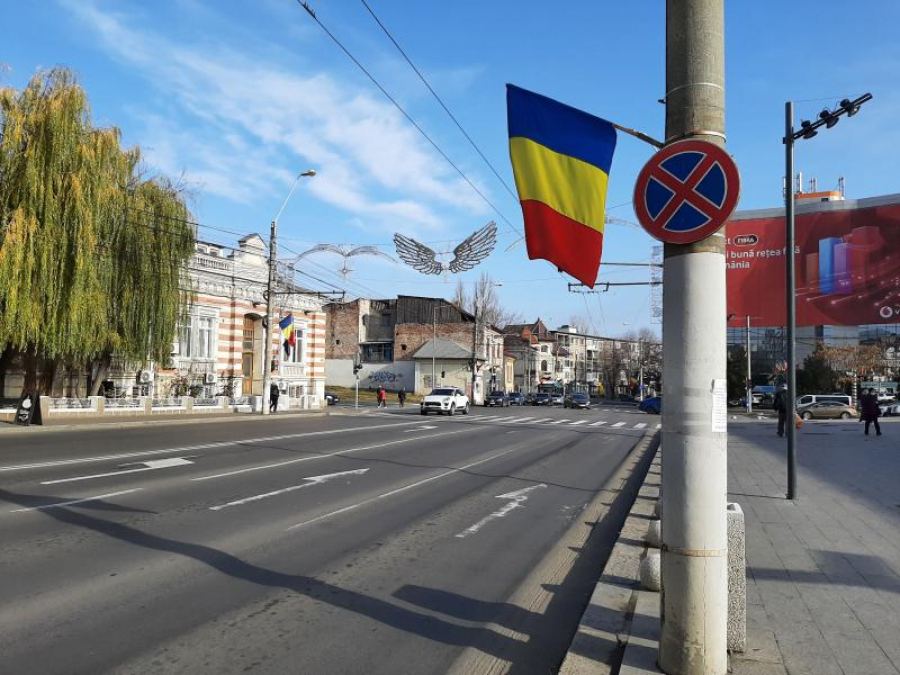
[
  {"x": 616, "y": 633},
  {"x": 11, "y": 429}
]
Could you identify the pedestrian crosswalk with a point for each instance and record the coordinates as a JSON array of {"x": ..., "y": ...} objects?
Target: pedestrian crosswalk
[{"x": 552, "y": 421}]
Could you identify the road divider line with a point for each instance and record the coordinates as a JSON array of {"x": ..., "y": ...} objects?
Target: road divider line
[
  {"x": 312, "y": 480},
  {"x": 559, "y": 422},
  {"x": 76, "y": 501},
  {"x": 659, "y": 426},
  {"x": 640, "y": 425},
  {"x": 203, "y": 446},
  {"x": 619, "y": 424},
  {"x": 597, "y": 424},
  {"x": 516, "y": 420},
  {"x": 399, "y": 490},
  {"x": 577, "y": 423},
  {"x": 337, "y": 453}
]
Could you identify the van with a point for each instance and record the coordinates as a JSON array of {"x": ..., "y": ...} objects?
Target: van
[{"x": 809, "y": 399}]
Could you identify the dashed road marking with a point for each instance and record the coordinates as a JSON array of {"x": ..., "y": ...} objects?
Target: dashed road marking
[
  {"x": 619, "y": 424},
  {"x": 309, "y": 482},
  {"x": 597, "y": 424}
]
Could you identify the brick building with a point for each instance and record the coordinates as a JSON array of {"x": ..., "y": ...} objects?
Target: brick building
[{"x": 385, "y": 336}]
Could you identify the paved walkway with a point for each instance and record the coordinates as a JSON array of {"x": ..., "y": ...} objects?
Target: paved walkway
[{"x": 823, "y": 573}]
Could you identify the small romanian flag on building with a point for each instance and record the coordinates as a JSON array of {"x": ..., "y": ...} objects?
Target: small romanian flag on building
[
  {"x": 287, "y": 332},
  {"x": 561, "y": 158}
]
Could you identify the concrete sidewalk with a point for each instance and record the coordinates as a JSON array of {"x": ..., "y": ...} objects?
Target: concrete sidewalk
[{"x": 823, "y": 572}]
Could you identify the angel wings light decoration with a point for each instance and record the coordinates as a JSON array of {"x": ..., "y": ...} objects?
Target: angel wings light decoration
[
  {"x": 475, "y": 248},
  {"x": 346, "y": 252}
]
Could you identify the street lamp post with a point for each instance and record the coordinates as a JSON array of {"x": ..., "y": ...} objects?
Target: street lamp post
[
  {"x": 270, "y": 295},
  {"x": 827, "y": 118}
]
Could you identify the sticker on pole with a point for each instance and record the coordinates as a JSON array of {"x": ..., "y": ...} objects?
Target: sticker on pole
[{"x": 686, "y": 191}]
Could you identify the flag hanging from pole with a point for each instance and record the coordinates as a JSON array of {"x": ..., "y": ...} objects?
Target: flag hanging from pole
[
  {"x": 287, "y": 332},
  {"x": 561, "y": 158}
]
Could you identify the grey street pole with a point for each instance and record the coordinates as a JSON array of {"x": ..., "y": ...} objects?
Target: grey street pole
[
  {"x": 791, "y": 302},
  {"x": 474, "y": 347},
  {"x": 433, "y": 342},
  {"x": 749, "y": 380},
  {"x": 694, "y": 489},
  {"x": 270, "y": 296}
]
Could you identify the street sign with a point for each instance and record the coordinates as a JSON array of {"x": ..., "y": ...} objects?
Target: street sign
[{"x": 686, "y": 191}]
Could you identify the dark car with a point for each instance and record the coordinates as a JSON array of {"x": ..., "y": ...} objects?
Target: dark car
[
  {"x": 516, "y": 398},
  {"x": 331, "y": 398},
  {"x": 577, "y": 401},
  {"x": 627, "y": 398},
  {"x": 542, "y": 398},
  {"x": 497, "y": 398},
  {"x": 652, "y": 405}
]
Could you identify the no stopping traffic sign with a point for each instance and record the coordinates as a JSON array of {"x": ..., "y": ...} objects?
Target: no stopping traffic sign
[{"x": 686, "y": 191}]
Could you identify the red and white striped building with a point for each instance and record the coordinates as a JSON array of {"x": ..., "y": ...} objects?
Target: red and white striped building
[{"x": 218, "y": 347}]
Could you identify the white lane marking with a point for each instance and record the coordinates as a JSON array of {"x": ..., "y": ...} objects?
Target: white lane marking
[
  {"x": 203, "y": 446},
  {"x": 399, "y": 490},
  {"x": 516, "y": 420},
  {"x": 640, "y": 425},
  {"x": 312, "y": 480},
  {"x": 597, "y": 424},
  {"x": 577, "y": 423},
  {"x": 546, "y": 419},
  {"x": 659, "y": 426},
  {"x": 77, "y": 501},
  {"x": 149, "y": 465},
  {"x": 517, "y": 498},
  {"x": 288, "y": 462},
  {"x": 425, "y": 427},
  {"x": 619, "y": 424},
  {"x": 559, "y": 421}
]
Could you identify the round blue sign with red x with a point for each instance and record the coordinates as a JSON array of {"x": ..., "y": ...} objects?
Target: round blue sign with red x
[{"x": 686, "y": 191}]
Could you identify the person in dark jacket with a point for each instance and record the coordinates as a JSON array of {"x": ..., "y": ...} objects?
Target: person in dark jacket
[
  {"x": 870, "y": 411},
  {"x": 781, "y": 407},
  {"x": 401, "y": 396},
  {"x": 274, "y": 393}
]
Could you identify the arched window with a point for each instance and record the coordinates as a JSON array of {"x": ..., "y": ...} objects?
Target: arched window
[{"x": 544, "y": 365}]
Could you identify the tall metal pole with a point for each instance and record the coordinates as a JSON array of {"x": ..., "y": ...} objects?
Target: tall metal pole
[
  {"x": 270, "y": 317},
  {"x": 433, "y": 342},
  {"x": 749, "y": 398},
  {"x": 694, "y": 529},
  {"x": 791, "y": 303},
  {"x": 474, "y": 347}
]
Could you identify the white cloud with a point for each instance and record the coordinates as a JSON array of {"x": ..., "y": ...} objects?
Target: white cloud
[{"x": 258, "y": 119}]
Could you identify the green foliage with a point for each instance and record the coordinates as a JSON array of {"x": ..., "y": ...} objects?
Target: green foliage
[
  {"x": 736, "y": 373},
  {"x": 817, "y": 376},
  {"x": 91, "y": 252}
]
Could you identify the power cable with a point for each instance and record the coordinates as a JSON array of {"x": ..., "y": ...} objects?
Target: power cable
[
  {"x": 409, "y": 117},
  {"x": 438, "y": 99}
]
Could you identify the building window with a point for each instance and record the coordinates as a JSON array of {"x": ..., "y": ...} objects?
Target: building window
[
  {"x": 296, "y": 353},
  {"x": 385, "y": 319},
  {"x": 381, "y": 352},
  {"x": 197, "y": 337}
]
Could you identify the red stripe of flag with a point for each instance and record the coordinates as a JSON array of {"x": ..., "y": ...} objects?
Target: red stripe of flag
[{"x": 568, "y": 244}]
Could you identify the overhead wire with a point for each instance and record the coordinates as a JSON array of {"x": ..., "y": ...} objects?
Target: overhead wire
[
  {"x": 409, "y": 118},
  {"x": 439, "y": 100}
]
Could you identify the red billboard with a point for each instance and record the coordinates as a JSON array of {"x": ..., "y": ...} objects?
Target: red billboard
[{"x": 847, "y": 264}]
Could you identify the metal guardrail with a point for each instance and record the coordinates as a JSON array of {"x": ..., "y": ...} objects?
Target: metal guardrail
[
  {"x": 206, "y": 402},
  {"x": 123, "y": 403},
  {"x": 71, "y": 404}
]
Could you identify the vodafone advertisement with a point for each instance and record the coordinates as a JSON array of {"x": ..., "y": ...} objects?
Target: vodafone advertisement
[{"x": 847, "y": 264}]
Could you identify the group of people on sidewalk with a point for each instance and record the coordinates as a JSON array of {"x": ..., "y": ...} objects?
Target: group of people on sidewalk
[
  {"x": 382, "y": 397},
  {"x": 869, "y": 410}
]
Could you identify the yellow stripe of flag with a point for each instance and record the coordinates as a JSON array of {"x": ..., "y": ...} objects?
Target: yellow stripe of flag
[{"x": 567, "y": 185}]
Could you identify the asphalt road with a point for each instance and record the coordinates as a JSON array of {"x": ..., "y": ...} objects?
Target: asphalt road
[{"x": 383, "y": 542}]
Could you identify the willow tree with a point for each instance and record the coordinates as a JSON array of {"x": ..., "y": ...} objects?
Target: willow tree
[{"x": 91, "y": 250}]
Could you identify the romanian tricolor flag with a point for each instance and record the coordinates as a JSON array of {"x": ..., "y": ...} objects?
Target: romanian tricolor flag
[
  {"x": 561, "y": 158},
  {"x": 287, "y": 332}
]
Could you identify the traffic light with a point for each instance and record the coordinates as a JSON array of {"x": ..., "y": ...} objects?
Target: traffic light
[{"x": 443, "y": 374}]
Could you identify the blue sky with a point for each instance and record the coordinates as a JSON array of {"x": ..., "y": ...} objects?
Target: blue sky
[{"x": 238, "y": 97}]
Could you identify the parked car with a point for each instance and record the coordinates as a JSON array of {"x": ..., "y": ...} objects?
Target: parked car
[
  {"x": 822, "y": 398},
  {"x": 890, "y": 409},
  {"x": 449, "y": 400},
  {"x": 516, "y": 398},
  {"x": 627, "y": 398},
  {"x": 652, "y": 405},
  {"x": 497, "y": 398},
  {"x": 542, "y": 398},
  {"x": 529, "y": 398},
  {"x": 331, "y": 398},
  {"x": 557, "y": 399},
  {"x": 577, "y": 401},
  {"x": 827, "y": 410}
]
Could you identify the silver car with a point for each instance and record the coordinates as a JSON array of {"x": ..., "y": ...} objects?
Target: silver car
[{"x": 827, "y": 410}]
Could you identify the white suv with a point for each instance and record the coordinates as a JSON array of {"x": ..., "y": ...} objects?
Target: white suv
[{"x": 450, "y": 400}]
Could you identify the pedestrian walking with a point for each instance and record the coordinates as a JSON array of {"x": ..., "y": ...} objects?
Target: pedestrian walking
[
  {"x": 382, "y": 397},
  {"x": 781, "y": 408},
  {"x": 401, "y": 396},
  {"x": 274, "y": 393},
  {"x": 870, "y": 411}
]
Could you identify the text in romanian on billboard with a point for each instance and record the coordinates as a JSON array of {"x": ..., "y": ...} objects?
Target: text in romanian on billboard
[{"x": 847, "y": 265}]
